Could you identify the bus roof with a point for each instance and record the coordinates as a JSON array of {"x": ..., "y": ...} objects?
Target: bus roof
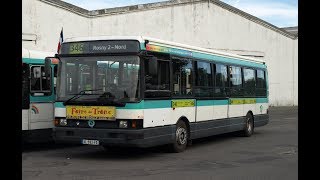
[
  {"x": 143, "y": 39},
  {"x": 26, "y": 53}
]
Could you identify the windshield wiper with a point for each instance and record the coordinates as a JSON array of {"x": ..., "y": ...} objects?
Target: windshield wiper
[
  {"x": 107, "y": 95},
  {"x": 78, "y": 95},
  {"x": 108, "y": 98}
]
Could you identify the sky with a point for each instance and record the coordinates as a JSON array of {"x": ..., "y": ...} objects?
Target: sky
[{"x": 281, "y": 13}]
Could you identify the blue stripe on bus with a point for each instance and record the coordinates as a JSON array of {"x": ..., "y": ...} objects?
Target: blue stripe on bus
[
  {"x": 149, "y": 104},
  {"x": 221, "y": 102},
  {"x": 32, "y": 61},
  {"x": 42, "y": 98},
  {"x": 205, "y": 102},
  {"x": 59, "y": 105},
  {"x": 212, "y": 102},
  {"x": 262, "y": 100}
]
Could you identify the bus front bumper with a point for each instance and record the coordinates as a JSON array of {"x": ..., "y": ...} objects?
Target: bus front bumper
[{"x": 116, "y": 137}]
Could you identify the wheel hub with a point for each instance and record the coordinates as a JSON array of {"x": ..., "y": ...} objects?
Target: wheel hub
[
  {"x": 181, "y": 136},
  {"x": 249, "y": 125}
]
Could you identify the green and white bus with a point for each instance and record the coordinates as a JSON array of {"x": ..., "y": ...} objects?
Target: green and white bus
[
  {"x": 141, "y": 91},
  {"x": 38, "y": 96}
]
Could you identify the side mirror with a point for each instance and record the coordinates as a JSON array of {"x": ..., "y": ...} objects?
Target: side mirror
[{"x": 153, "y": 65}]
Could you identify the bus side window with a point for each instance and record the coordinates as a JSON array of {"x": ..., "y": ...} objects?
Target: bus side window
[
  {"x": 261, "y": 88},
  {"x": 35, "y": 78},
  {"x": 249, "y": 82},
  {"x": 221, "y": 80},
  {"x": 157, "y": 84},
  {"x": 203, "y": 79},
  {"x": 40, "y": 86},
  {"x": 236, "y": 89},
  {"x": 182, "y": 76}
]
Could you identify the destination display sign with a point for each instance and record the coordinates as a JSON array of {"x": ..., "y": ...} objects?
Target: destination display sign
[{"x": 108, "y": 46}]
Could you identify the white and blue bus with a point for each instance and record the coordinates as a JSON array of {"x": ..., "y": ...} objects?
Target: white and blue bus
[
  {"x": 141, "y": 91},
  {"x": 38, "y": 95}
]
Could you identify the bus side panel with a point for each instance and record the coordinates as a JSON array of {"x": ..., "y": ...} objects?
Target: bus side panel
[
  {"x": 204, "y": 110},
  {"x": 41, "y": 115},
  {"x": 129, "y": 114},
  {"x": 249, "y": 107},
  {"x": 188, "y": 112},
  {"x": 262, "y": 106},
  {"x": 220, "y": 109},
  {"x": 25, "y": 119},
  {"x": 157, "y": 117},
  {"x": 60, "y": 110},
  {"x": 157, "y": 113},
  {"x": 235, "y": 110}
]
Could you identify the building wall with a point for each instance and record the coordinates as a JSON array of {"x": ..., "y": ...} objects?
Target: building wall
[
  {"x": 45, "y": 21},
  {"x": 200, "y": 24}
]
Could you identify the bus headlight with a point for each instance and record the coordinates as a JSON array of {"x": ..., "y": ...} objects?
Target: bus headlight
[
  {"x": 123, "y": 124},
  {"x": 63, "y": 122}
]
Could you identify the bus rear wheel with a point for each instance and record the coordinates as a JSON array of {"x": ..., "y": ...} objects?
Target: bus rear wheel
[
  {"x": 181, "y": 137},
  {"x": 249, "y": 126}
]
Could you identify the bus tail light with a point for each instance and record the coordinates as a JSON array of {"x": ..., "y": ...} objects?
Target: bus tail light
[
  {"x": 134, "y": 123},
  {"x": 56, "y": 122}
]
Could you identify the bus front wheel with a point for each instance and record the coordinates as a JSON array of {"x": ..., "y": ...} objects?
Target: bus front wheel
[{"x": 181, "y": 137}]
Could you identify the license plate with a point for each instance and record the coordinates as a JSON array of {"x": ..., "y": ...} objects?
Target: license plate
[
  {"x": 91, "y": 112},
  {"x": 90, "y": 142}
]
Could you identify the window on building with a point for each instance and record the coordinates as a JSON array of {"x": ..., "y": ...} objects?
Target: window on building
[
  {"x": 249, "y": 82},
  {"x": 221, "y": 80},
  {"x": 236, "y": 89},
  {"x": 182, "y": 76},
  {"x": 203, "y": 81},
  {"x": 261, "y": 88}
]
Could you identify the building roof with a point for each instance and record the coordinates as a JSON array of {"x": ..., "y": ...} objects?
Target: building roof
[
  {"x": 293, "y": 30},
  {"x": 150, "y": 6}
]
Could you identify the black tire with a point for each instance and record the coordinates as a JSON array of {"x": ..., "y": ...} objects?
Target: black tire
[
  {"x": 249, "y": 126},
  {"x": 181, "y": 138}
]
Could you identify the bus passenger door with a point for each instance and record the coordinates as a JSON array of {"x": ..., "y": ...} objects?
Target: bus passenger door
[
  {"x": 41, "y": 110},
  {"x": 236, "y": 102},
  {"x": 183, "y": 101},
  {"x": 221, "y": 96},
  {"x": 203, "y": 91},
  {"x": 157, "y": 104}
]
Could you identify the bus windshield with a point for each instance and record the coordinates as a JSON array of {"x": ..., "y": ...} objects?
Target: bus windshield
[{"x": 115, "y": 76}]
